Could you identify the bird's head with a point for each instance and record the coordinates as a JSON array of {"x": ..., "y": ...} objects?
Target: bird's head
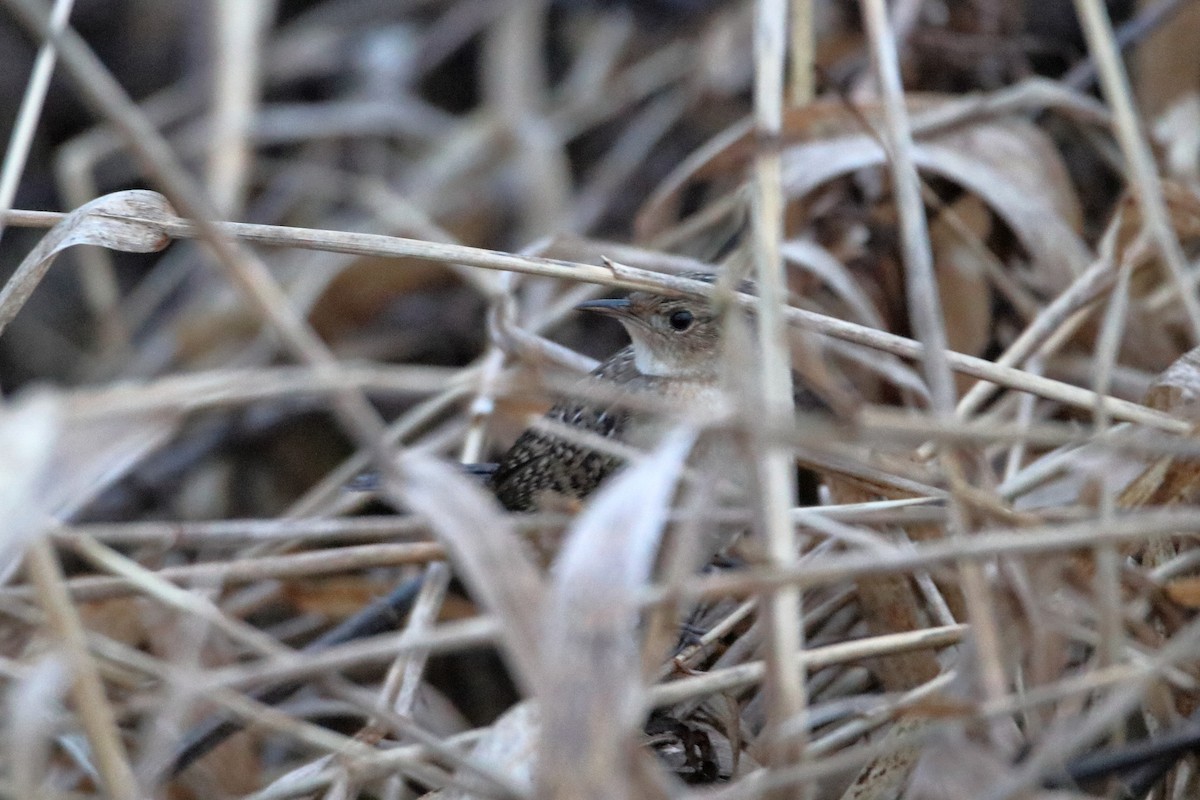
[{"x": 672, "y": 337}]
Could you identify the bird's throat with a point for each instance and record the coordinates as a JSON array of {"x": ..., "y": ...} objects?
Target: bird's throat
[{"x": 649, "y": 363}]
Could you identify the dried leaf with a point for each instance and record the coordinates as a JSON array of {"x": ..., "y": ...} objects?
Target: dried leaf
[
  {"x": 98, "y": 449},
  {"x": 335, "y": 597},
  {"x": 1185, "y": 591},
  {"x": 508, "y": 748},
  {"x": 1008, "y": 163},
  {"x": 1169, "y": 480},
  {"x": 34, "y": 704},
  {"x": 29, "y": 432},
  {"x": 124, "y": 221},
  {"x": 486, "y": 552},
  {"x": 1164, "y": 64},
  {"x": 821, "y": 263},
  {"x": 1177, "y": 131},
  {"x": 55, "y": 458},
  {"x": 962, "y": 278},
  {"x": 1177, "y": 389},
  {"x": 591, "y": 698},
  {"x": 1033, "y": 212}
]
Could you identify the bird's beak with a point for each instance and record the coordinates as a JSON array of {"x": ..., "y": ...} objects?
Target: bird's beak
[{"x": 616, "y": 307}]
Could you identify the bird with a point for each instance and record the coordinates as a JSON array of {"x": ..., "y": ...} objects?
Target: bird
[{"x": 673, "y": 355}]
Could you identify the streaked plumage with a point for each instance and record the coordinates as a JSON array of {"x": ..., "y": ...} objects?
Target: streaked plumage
[{"x": 666, "y": 358}]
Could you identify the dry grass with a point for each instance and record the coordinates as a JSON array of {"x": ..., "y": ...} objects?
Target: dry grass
[{"x": 364, "y": 231}]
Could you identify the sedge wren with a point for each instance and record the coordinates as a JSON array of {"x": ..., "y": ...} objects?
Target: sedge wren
[{"x": 673, "y": 356}]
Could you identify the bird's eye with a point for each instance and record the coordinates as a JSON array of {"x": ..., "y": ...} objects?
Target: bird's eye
[{"x": 680, "y": 320}]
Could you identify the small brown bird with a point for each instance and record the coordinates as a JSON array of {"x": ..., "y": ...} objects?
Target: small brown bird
[{"x": 674, "y": 355}]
